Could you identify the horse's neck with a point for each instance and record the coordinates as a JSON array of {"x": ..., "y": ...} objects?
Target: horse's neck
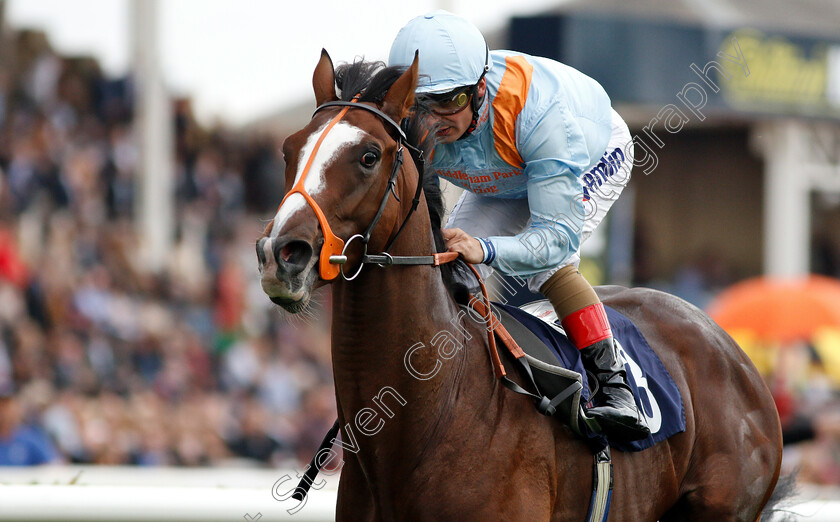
[
  {"x": 386, "y": 334},
  {"x": 381, "y": 316}
]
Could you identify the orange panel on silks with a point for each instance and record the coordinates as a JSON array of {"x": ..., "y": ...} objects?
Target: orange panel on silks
[{"x": 508, "y": 103}]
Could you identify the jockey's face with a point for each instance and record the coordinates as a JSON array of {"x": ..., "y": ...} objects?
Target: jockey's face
[{"x": 453, "y": 126}]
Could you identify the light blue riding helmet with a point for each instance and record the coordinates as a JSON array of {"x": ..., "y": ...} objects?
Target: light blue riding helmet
[{"x": 453, "y": 52}]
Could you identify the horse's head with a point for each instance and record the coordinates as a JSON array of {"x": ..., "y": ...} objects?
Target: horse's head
[{"x": 337, "y": 173}]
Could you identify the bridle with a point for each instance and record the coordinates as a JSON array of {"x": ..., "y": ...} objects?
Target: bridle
[
  {"x": 333, "y": 257},
  {"x": 385, "y": 259},
  {"x": 334, "y": 250}
]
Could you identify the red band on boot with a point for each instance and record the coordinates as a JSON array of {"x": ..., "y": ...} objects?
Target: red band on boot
[{"x": 587, "y": 326}]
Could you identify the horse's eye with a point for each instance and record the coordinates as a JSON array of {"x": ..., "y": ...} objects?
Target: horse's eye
[{"x": 369, "y": 159}]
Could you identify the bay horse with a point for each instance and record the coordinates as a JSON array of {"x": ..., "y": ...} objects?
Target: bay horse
[{"x": 447, "y": 441}]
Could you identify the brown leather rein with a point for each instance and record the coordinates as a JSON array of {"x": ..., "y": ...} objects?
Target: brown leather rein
[
  {"x": 330, "y": 257},
  {"x": 385, "y": 259}
]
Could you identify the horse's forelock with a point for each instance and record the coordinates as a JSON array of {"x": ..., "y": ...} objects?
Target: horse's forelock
[{"x": 372, "y": 79}]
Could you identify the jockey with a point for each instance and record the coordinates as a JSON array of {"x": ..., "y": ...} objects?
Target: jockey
[{"x": 541, "y": 156}]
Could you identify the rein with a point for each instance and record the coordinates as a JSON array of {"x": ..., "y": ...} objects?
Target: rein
[
  {"x": 385, "y": 259},
  {"x": 331, "y": 261}
]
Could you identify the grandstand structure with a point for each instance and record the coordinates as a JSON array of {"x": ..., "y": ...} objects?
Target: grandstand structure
[{"x": 747, "y": 170}]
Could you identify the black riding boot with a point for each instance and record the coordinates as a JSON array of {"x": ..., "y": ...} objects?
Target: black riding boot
[{"x": 614, "y": 407}]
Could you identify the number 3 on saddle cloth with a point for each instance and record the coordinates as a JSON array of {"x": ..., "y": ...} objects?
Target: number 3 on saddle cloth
[{"x": 534, "y": 327}]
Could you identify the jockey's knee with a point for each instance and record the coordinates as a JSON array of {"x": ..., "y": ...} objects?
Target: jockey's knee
[{"x": 568, "y": 291}]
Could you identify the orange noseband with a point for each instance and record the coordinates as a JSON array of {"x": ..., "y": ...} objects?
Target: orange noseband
[{"x": 333, "y": 245}]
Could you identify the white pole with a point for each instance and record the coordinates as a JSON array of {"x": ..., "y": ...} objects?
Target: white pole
[
  {"x": 787, "y": 224},
  {"x": 154, "y": 207}
]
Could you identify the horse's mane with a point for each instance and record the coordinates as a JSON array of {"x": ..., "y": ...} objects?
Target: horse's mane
[{"x": 373, "y": 79}]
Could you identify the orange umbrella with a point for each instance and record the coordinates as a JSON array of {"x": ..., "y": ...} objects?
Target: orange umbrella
[{"x": 780, "y": 310}]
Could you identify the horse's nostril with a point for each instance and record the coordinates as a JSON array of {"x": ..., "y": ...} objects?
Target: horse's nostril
[
  {"x": 261, "y": 250},
  {"x": 286, "y": 252},
  {"x": 292, "y": 256}
]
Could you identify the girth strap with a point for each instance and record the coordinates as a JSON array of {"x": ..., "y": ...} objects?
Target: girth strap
[{"x": 602, "y": 487}]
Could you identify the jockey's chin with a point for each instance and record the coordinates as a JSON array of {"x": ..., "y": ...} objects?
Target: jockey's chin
[{"x": 447, "y": 134}]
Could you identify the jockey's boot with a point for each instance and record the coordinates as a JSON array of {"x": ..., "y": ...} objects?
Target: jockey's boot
[
  {"x": 585, "y": 322},
  {"x": 613, "y": 405}
]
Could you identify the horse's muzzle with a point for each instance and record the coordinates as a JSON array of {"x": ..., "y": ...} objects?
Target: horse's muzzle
[
  {"x": 285, "y": 268},
  {"x": 288, "y": 257}
]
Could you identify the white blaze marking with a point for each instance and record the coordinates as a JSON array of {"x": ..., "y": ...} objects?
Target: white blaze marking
[
  {"x": 294, "y": 203},
  {"x": 342, "y": 135}
]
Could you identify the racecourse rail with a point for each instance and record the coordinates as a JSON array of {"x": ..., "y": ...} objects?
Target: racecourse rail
[{"x": 99, "y": 493}]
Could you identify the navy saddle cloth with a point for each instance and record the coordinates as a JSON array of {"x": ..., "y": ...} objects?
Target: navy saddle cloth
[{"x": 656, "y": 393}]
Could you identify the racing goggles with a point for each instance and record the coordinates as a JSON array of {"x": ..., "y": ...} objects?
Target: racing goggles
[{"x": 449, "y": 103}]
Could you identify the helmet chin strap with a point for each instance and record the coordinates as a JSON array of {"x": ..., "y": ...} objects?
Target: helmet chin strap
[
  {"x": 476, "y": 108},
  {"x": 475, "y": 102}
]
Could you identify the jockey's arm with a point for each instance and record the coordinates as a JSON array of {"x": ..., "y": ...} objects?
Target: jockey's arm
[
  {"x": 557, "y": 148},
  {"x": 553, "y": 233},
  {"x": 552, "y": 236}
]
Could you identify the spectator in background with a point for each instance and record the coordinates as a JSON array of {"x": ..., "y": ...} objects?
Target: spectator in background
[
  {"x": 21, "y": 444},
  {"x": 121, "y": 366}
]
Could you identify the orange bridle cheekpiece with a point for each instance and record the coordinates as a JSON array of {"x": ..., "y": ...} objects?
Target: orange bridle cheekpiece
[
  {"x": 333, "y": 245},
  {"x": 332, "y": 252}
]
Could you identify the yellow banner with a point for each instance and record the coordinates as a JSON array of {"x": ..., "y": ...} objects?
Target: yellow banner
[{"x": 782, "y": 75}]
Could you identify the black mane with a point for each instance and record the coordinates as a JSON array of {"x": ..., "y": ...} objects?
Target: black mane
[{"x": 372, "y": 80}]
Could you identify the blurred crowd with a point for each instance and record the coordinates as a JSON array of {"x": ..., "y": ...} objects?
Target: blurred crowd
[
  {"x": 804, "y": 378},
  {"x": 102, "y": 361}
]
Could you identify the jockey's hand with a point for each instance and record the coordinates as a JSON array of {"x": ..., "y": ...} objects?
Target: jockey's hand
[{"x": 459, "y": 241}]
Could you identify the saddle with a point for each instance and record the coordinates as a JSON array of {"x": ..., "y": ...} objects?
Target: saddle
[
  {"x": 559, "y": 390},
  {"x": 554, "y": 373}
]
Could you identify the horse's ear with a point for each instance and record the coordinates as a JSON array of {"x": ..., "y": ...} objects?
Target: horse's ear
[
  {"x": 323, "y": 81},
  {"x": 400, "y": 96}
]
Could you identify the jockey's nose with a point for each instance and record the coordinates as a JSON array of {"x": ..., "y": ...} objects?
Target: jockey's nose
[{"x": 292, "y": 256}]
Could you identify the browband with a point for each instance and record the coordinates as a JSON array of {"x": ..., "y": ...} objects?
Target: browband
[{"x": 365, "y": 107}]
